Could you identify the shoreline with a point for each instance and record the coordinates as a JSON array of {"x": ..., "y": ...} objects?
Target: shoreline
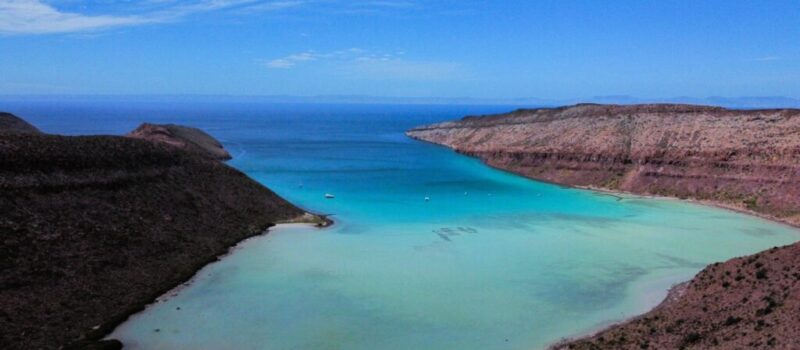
[
  {"x": 231, "y": 250},
  {"x": 792, "y": 221},
  {"x": 704, "y": 202},
  {"x": 673, "y": 294},
  {"x": 619, "y": 194},
  {"x": 677, "y": 290},
  {"x": 100, "y": 333}
]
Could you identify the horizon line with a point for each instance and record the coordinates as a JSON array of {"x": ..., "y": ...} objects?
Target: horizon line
[{"x": 723, "y": 101}]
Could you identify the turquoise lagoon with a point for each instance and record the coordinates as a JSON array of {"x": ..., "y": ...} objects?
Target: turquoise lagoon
[{"x": 492, "y": 261}]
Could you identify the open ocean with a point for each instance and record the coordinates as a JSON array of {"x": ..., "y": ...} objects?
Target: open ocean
[{"x": 492, "y": 261}]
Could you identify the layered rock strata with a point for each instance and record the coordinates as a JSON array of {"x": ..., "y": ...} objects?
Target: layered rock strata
[{"x": 742, "y": 159}]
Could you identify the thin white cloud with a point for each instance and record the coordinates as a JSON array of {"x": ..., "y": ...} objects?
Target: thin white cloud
[
  {"x": 37, "y": 17},
  {"x": 272, "y": 6},
  {"x": 206, "y": 5},
  {"x": 19, "y": 17},
  {"x": 767, "y": 58},
  {"x": 357, "y": 63},
  {"x": 292, "y": 60},
  {"x": 390, "y": 4}
]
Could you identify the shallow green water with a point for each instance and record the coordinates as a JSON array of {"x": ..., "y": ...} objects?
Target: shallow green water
[
  {"x": 492, "y": 261},
  {"x": 497, "y": 281}
]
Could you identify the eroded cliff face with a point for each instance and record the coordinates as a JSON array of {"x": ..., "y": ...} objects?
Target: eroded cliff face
[
  {"x": 744, "y": 159},
  {"x": 92, "y": 228}
]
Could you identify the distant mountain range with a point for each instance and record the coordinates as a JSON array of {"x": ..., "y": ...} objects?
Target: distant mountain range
[{"x": 731, "y": 102}]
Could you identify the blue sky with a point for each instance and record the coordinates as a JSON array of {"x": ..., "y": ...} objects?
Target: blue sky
[{"x": 482, "y": 49}]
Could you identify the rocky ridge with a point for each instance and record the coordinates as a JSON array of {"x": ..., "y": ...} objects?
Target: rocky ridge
[{"x": 93, "y": 228}]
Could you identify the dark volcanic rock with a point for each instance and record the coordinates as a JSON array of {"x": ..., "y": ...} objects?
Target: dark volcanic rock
[
  {"x": 10, "y": 123},
  {"x": 106, "y": 344},
  {"x": 95, "y": 227},
  {"x": 191, "y": 139},
  {"x": 744, "y": 159}
]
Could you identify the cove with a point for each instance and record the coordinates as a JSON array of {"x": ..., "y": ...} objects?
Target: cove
[{"x": 491, "y": 261}]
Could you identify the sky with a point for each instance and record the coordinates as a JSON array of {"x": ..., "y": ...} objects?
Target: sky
[{"x": 481, "y": 49}]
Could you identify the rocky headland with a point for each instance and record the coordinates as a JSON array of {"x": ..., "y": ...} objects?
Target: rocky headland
[
  {"x": 93, "y": 228},
  {"x": 741, "y": 159},
  {"x": 747, "y": 160}
]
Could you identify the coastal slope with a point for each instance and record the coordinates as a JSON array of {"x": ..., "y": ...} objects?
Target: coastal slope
[
  {"x": 751, "y": 302},
  {"x": 742, "y": 159},
  {"x": 95, "y": 227}
]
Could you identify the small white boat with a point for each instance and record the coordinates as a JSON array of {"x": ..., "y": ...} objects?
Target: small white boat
[
  {"x": 427, "y": 198},
  {"x": 329, "y": 196}
]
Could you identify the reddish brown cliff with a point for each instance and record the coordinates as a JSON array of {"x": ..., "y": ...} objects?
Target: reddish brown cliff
[{"x": 744, "y": 159}]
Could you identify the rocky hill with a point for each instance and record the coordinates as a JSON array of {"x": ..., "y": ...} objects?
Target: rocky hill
[
  {"x": 743, "y": 159},
  {"x": 92, "y": 228},
  {"x": 188, "y": 138}
]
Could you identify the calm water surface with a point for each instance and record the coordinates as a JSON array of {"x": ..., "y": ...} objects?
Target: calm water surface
[{"x": 492, "y": 261}]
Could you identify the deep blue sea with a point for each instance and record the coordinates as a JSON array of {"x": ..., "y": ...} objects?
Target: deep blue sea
[{"x": 491, "y": 261}]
